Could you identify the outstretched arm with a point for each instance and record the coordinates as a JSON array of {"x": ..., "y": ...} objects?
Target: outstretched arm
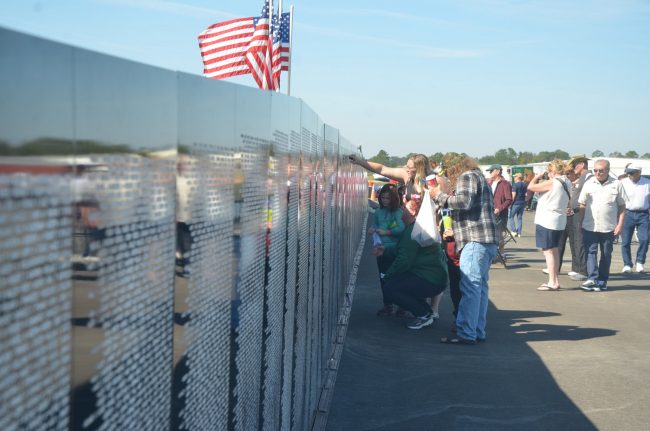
[{"x": 397, "y": 174}]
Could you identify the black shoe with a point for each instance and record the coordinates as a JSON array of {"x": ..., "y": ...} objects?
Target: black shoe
[{"x": 421, "y": 322}]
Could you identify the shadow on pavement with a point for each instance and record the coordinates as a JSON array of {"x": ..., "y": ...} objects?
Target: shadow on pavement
[{"x": 392, "y": 378}]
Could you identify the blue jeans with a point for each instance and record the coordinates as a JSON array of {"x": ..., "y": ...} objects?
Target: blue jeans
[
  {"x": 516, "y": 210},
  {"x": 475, "y": 261},
  {"x": 638, "y": 220},
  {"x": 598, "y": 271}
]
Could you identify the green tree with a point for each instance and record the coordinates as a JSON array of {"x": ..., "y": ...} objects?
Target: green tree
[
  {"x": 561, "y": 155},
  {"x": 646, "y": 156},
  {"x": 543, "y": 156},
  {"x": 506, "y": 156},
  {"x": 525, "y": 157},
  {"x": 487, "y": 160},
  {"x": 597, "y": 153},
  {"x": 381, "y": 157},
  {"x": 396, "y": 161},
  {"x": 437, "y": 157},
  {"x": 632, "y": 154},
  {"x": 616, "y": 154}
]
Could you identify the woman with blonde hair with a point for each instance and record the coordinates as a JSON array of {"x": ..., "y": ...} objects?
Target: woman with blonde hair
[
  {"x": 412, "y": 175},
  {"x": 417, "y": 168},
  {"x": 551, "y": 217}
]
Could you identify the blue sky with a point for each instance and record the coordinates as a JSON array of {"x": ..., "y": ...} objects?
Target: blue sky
[{"x": 414, "y": 76}]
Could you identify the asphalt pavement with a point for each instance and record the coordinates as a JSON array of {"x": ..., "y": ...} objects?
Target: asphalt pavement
[{"x": 567, "y": 360}]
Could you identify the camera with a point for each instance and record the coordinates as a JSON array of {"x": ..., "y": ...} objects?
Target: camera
[{"x": 545, "y": 176}]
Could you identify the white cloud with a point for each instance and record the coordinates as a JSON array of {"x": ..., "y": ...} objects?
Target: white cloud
[
  {"x": 401, "y": 16},
  {"x": 172, "y": 7},
  {"x": 421, "y": 50},
  {"x": 561, "y": 10}
]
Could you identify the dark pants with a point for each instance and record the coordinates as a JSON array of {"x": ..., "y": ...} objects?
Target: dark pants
[
  {"x": 502, "y": 225},
  {"x": 383, "y": 263},
  {"x": 183, "y": 239},
  {"x": 410, "y": 292},
  {"x": 454, "y": 285},
  {"x": 598, "y": 270},
  {"x": 573, "y": 232}
]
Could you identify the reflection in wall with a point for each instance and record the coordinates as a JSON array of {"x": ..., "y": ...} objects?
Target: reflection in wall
[{"x": 174, "y": 251}]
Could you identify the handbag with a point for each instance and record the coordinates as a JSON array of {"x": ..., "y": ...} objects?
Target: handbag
[{"x": 425, "y": 231}]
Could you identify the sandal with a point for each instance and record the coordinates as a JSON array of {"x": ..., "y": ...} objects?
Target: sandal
[
  {"x": 545, "y": 287},
  {"x": 457, "y": 340}
]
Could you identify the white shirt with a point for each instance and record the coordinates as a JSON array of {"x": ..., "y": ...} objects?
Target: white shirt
[
  {"x": 552, "y": 205},
  {"x": 601, "y": 203},
  {"x": 494, "y": 185},
  {"x": 638, "y": 194}
]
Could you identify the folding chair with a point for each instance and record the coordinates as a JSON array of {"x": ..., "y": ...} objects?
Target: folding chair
[{"x": 506, "y": 237}]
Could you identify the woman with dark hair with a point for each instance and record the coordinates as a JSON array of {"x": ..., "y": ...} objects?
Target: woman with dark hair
[
  {"x": 417, "y": 273},
  {"x": 388, "y": 226}
]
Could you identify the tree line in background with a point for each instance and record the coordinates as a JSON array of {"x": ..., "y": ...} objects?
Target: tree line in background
[{"x": 506, "y": 156}]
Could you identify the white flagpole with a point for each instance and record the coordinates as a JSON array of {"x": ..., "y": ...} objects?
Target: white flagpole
[
  {"x": 290, "y": 50},
  {"x": 280, "y": 55},
  {"x": 269, "y": 55}
]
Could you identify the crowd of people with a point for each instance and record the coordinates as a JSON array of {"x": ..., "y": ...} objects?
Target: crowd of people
[{"x": 588, "y": 208}]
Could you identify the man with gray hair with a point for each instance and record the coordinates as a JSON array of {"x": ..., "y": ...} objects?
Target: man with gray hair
[
  {"x": 603, "y": 201},
  {"x": 637, "y": 189}
]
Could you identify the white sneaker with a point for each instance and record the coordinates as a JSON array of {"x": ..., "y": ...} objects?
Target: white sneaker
[
  {"x": 639, "y": 267},
  {"x": 545, "y": 270},
  {"x": 627, "y": 269},
  {"x": 570, "y": 273}
]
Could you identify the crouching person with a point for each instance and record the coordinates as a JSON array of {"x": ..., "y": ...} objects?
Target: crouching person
[{"x": 417, "y": 273}]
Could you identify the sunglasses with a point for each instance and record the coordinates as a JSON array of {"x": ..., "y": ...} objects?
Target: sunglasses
[{"x": 600, "y": 170}]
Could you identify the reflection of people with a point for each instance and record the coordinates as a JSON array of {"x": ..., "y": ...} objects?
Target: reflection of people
[
  {"x": 637, "y": 189},
  {"x": 551, "y": 217},
  {"x": 183, "y": 214},
  {"x": 389, "y": 226},
  {"x": 88, "y": 233},
  {"x": 603, "y": 201},
  {"x": 476, "y": 236},
  {"x": 417, "y": 273}
]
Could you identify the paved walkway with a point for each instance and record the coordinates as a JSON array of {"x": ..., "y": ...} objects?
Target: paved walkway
[{"x": 568, "y": 360}]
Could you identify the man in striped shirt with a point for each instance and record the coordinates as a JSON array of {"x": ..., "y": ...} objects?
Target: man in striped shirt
[{"x": 476, "y": 235}]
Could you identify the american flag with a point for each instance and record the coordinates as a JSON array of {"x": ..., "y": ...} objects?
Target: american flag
[
  {"x": 224, "y": 46},
  {"x": 258, "y": 54},
  {"x": 280, "y": 47}
]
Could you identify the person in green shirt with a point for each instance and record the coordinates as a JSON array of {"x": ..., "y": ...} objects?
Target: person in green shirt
[{"x": 417, "y": 273}]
